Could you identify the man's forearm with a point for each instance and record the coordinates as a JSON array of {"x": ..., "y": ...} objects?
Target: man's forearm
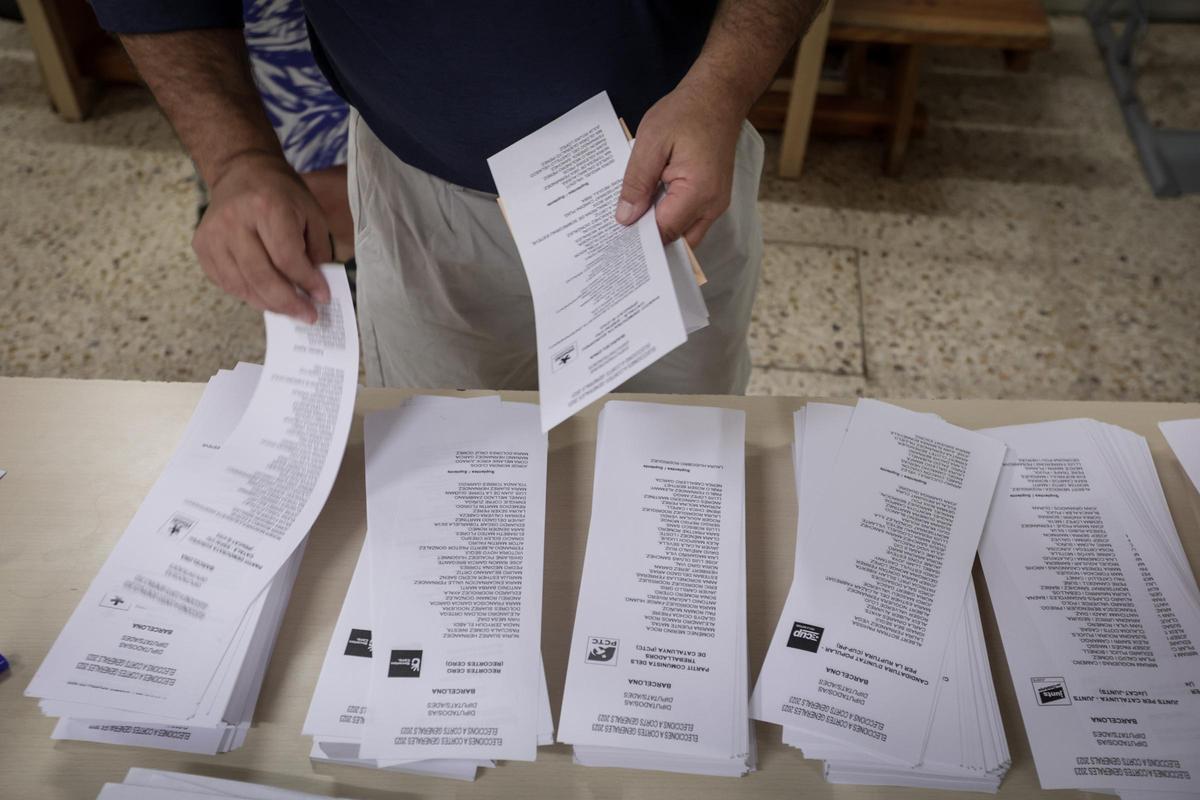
[
  {"x": 202, "y": 81},
  {"x": 746, "y": 43}
]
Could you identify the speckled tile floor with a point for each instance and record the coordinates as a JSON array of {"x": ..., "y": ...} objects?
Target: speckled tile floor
[{"x": 1020, "y": 255}]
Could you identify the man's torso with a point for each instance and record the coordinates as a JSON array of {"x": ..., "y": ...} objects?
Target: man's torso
[{"x": 445, "y": 85}]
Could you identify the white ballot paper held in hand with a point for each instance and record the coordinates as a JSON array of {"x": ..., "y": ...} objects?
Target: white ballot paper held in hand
[
  {"x": 657, "y": 671},
  {"x": 604, "y": 300},
  {"x": 857, "y": 655},
  {"x": 151, "y": 630},
  {"x": 456, "y": 496}
]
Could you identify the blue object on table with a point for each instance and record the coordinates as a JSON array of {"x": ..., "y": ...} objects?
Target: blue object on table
[{"x": 3, "y": 664}]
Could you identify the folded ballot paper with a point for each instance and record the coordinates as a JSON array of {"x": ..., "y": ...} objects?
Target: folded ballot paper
[
  {"x": 878, "y": 664},
  {"x": 608, "y": 300},
  {"x": 157, "y": 784},
  {"x": 435, "y": 665},
  {"x": 1098, "y": 611},
  {"x": 169, "y": 644},
  {"x": 657, "y": 675}
]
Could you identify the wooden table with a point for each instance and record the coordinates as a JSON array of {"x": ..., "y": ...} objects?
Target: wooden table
[{"x": 81, "y": 455}]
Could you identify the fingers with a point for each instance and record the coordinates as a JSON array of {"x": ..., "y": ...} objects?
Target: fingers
[
  {"x": 679, "y": 210},
  {"x": 696, "y": 233},
  {"x": 238, "y": 263},
  {"x": 642, "y": 175},
  {"x": 261, "y": 240},
  {"x": 277, "y": 292},
  {"x": 286, "y": 236},
  {"x": 221, "y": 268}
]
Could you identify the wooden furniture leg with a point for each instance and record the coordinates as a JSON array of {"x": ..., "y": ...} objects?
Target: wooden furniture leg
[
  {"x": 856, "y": 69},
  {"x": 69, "y": 91},
  {"x": 904, "y": 102},
  {"x": 809, "y": 56}
]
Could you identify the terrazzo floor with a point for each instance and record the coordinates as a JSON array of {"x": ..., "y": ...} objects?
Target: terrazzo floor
[{"x": 1020, "y": 255}]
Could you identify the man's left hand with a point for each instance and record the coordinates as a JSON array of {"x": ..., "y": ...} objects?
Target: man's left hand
[{"x": 686, "y": 140}]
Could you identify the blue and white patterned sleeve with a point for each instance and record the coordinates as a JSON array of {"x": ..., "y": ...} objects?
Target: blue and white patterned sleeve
[{"x": 309, "y": 118}]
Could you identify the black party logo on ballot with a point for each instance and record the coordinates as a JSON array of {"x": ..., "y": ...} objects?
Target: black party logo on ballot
[
  {"x": 1051, "y": 691},
  {"x": 359, "y": 643},
  {"x": 602, "y": 650},
  {"x": 405, "y": 664},
  {"x": 805, "y": 636}
]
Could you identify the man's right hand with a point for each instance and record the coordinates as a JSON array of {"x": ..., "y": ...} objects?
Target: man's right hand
[{"x": 263, "y": 237}]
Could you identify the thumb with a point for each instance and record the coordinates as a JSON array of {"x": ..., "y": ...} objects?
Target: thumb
[{"x": 642, "y": 174}]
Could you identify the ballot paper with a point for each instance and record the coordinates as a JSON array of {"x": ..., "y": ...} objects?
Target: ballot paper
[
  {"x": 156, "y": 784},
  {"x": 228, "y": 706},
  {"x": 435, "y": 663},
  {"x": 1097, "y": 608},
  {"x": 966, "y": 748},
  {"x": 880, "y": 578},
  {"x": 1184, "y": 437},
  {"x": 657, "y": 674},
  {"x": 338, "y": 710},
  {"x": 456, "y": 497},
  {"x": 606, "y": 298},
  {"x": 152, "y": 631}
]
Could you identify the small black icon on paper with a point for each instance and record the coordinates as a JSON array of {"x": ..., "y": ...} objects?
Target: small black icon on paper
[
  {"x": 405, "y": 664},
  {"x": 359, "y": 643},
  {"x": 117, "y": 602},
  {"x": 562, "y": 358},
  {"x": 1051, "y": 691},
  {"x": 177, "y": 525},
  {"x": 602, "y": 650},
  {"x": 805, "y": 637}
]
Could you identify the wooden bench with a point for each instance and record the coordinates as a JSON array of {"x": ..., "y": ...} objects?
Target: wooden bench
[{"x": 1014, "y": 27}]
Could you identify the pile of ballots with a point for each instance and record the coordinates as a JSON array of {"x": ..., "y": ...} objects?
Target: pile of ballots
[
  {"x": 877, "y": 665},
  {"x": 435, "y": 665},
  {"x": 1098, "y": 610},
  {"x": 169, "y": 645},
  {"x": 657, "y": 675},
  {"x": 157, "y": 784}
]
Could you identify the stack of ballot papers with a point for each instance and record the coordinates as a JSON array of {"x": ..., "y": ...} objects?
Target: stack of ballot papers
[
  {"x": 878, "y": 664},
  {"x": 657, "y": 675},
  {"x": 435, "y": 665},
  {"x": 608, "y": 300},
  {"x": 170, "y": 643},
  {"x": 1184, "y": 437},
  {"x": 157, "y": 784},
  {"x": 1098, "y": 611}
]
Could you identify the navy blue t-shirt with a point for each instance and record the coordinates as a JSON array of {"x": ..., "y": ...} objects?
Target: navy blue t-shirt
[{"x": 445, "y": 85}]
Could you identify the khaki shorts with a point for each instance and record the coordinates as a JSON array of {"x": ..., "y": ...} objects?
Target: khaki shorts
[{"x": 443, "y": 302}]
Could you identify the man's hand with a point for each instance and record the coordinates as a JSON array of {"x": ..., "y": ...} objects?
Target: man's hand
[
  {"x": 263, "y": 236},
  {"x": 686, "y": 140}
]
